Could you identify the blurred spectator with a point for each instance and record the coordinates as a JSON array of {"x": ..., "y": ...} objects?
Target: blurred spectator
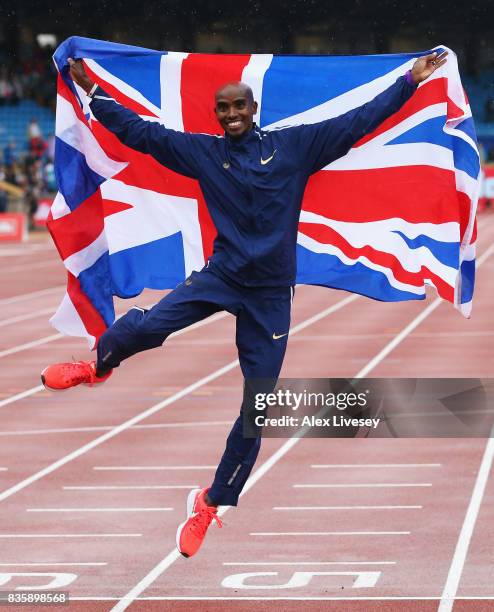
[
  {"x": 33, "y": 129},
  {"x": 37, "y": 146},
  {"x": 34, "y": 186},
  {"x": 3, "y": 195},
  {"x": 14, "y": 175},
  {"x": 50, "y": 147},
  {"x": 489, "y": 109},
  {"x": 3, "y": 201},
  {"x": 6, "y": 90},
  {"x": 49, "y": 176},
  {"x": 17, "y": 89},
  {"x": 11, "y": 90},
  {"x": 29, "y": 165},
  {"x": 10, "y": 154}
]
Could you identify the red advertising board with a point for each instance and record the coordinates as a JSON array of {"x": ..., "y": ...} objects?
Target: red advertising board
[
  {"x": 41, "y": 214},
  {"x": 486, "y": 187},
  {"x": 13, "y": 227}
]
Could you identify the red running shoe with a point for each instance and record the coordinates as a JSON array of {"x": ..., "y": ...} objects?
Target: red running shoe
[
  {"x": 64, "y": 375},
  {"x": 191, "y": 533}
]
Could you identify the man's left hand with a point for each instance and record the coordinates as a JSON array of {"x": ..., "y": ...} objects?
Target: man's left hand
[{"x": 426, "y": 65}]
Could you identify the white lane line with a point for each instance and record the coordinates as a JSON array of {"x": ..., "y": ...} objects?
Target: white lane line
[
  {"x": 26, "y": 317},
  {"x": 37, "y": 432},
  {"x": 366, "y": 485},
  {"x": 326, "y": 533},
  {"x": 375, "y": 465},
  {"x": 347, "y": 507},
  {"x": 138, "y": 468},
  {"x": 487, "y": 253},
  {"x": 127, "y": 487},
  {"x": 21, "y": 395},
  {"x": 98, "y": 509},
  {"x": 48, "y": 564},
  {"x": 29, "y": 345},
  {"x": 3, "y": 469},
  {"x": 179, "y": 424},
  {"x": 33, "y": 294},
  {"x": 458, "y": 561},
  {"x": 229, "y": 563},
  {"x": 69, "y": 535}
]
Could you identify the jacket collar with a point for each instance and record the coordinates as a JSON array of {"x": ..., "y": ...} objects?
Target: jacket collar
[{"x": 245, "y": 140}]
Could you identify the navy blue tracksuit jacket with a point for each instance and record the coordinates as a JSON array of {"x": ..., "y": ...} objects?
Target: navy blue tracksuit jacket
[{"x": 253, "y": 188}]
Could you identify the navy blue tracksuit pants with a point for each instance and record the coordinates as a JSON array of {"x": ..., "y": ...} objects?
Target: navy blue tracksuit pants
[{"x": 263, "y": 321}]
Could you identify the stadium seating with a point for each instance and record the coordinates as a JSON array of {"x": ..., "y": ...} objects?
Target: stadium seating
[
  {"x": 478, "y": 91},
  {"x": 15, "y": 119}
]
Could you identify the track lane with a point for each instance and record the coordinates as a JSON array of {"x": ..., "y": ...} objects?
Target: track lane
[
  {"x": 146, "y": 448},
  {"x": 125, "y": 395},
  {"x": 477, "y": 573},
  {"x": 470, "y": 455},
  {"x": 375, "y": 335}
]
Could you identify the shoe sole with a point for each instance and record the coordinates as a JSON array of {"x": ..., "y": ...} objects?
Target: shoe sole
[{"x": 190, "y": 511}]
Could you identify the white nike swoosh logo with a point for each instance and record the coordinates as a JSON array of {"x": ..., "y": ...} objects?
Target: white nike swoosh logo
[
  {"x": 277, "y": 337},
  {"x": 266, "y": 161}
]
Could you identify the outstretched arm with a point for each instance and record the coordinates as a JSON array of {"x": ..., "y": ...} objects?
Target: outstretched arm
[
  {"x": 175, "y": 150},
  {"x": 322, "y": 143}
]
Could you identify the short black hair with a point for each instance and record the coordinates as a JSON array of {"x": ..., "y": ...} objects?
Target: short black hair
[{"x": 244, "y": 86}]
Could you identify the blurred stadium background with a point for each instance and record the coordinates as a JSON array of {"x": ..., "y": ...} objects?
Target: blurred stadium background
[{"x": 29, "y": 32}]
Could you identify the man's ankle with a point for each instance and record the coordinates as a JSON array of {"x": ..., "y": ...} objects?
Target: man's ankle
[
  {"x": 209, "y": 501},
  {"x": 101, "y": 373}
]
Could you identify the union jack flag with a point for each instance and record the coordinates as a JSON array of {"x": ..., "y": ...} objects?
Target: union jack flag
[{"x": 393, "y": 215}]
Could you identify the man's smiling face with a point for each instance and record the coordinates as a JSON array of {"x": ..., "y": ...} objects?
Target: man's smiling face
[{"x": 235, "y": 108}]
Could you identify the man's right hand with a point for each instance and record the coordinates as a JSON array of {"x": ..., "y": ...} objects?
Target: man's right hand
[{"x": 79, "y": 75}]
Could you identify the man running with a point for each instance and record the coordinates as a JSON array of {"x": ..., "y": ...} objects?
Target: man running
[{"x": 253, "y": 183}]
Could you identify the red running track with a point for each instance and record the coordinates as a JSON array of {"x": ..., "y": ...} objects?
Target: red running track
[{"x": 94, "y": 482}]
